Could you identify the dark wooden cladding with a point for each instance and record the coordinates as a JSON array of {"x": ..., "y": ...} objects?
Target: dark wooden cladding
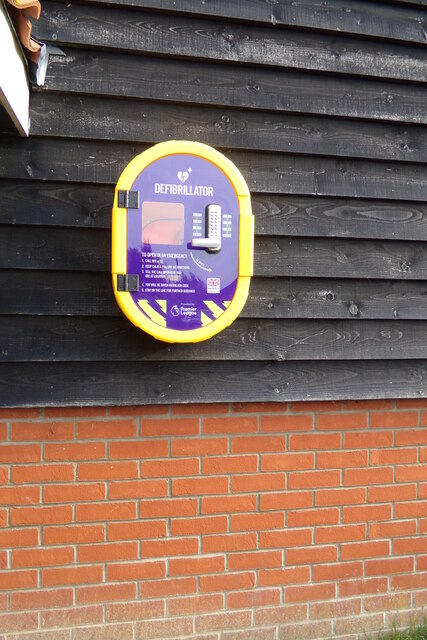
[
  {"x": 63, "y": 339},
  {"x": 325, "y": 298},
  {"x": 116, "y": 74},
  {"x": 70, "y": 383},
  {"x": 52, "y": 293},
  {"x": 415, "y": 3},
  {"x": 359, "y": 17},
  {"x": 166, "y": 35},
  {"x": 31, "y": 202},
  {"x": 321, "y": 257},
  {"x": 83, "y": 205},
  {"x": 78, "y": 250},
  {"x": 54, "y": 116},
  {"x": 55, "y": 248},
  {"x": 103, "y": 162},
  {"x": 85, "y": 161},
  {"x": 280, "y": 173},
  {"x": 321, "y": 105},
  {"x": 56, "y": 293},
  {"x": 337, "y": 217}
]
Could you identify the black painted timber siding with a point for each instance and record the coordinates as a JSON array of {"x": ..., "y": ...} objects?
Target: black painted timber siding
[{"x": 323, "y": 107}]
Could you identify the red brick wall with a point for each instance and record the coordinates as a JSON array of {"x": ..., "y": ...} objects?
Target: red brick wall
[{"x": 215, "y": 522}]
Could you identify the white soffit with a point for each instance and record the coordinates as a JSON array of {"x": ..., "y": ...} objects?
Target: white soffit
[{"x": 14, "y": 84}]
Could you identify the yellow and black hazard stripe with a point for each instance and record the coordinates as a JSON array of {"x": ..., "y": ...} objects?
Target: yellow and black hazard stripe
[
  {"x": 212, "y": 311},
  {"x": 156, "y": 314}
]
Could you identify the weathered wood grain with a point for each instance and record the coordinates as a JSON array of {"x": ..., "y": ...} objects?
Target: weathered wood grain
[
  {"x": 178, "y": 36},
  {"x": 56, "y": 293},
  {"x": 80, "y": 250},
  {"x": 327, "y": 298},
  {"x": 34, "y": 202},
  {"x": 82, "y": 205},
  {"x": 336, "y": 217},
  {"x": 55, "y": 248},
  {"x": 103, "y": 162},
  {"x": 66, "y": 116},
  {"x": 115, "y": 74},
  {"x": 274, "y": 173},
  {"x": 71, "y": 384},
  {"x": 321, "y": 257},
  {"x": 63, "y": 339},
  {"x": 358, "y": 17},
  {"x": 415, "y": 3},
  {"x": 51, "y": 293}
]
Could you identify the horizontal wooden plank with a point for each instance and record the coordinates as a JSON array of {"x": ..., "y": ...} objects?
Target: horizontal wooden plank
[
  {"x": 62, "y": 116},
  {"x": 111, "y": 73},
  {"x": 358, "y": 17},
  {"x": 62, "y": 384},
  {"x": 103, "y": 162},
  {"x": 279, "y": 173},
  {"x": 56, "y": 293},
  {"x": 50, "y": 293},
  {"x": 67, "y": 204},
  {"x": 177, "y": 36},
  {"x": 336, "y": 217},
  {"x": 55, "y": 248},
  {"x": 63, "y": 339},
  {"x": 81, "y": 205},
  {"x": 415, "y": 3},
  {"x": 81, "y": 250},
  {"x": 339, "y": 258},
  {"x": 325, "y": 298}
]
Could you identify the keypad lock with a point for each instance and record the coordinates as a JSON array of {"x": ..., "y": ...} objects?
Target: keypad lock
[{"x": 212, "y": 242}]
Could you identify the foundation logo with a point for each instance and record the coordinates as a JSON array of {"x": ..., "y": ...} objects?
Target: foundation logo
[
  {"x": 185, "y": 309},
  {"x": 183, "y": 175}
]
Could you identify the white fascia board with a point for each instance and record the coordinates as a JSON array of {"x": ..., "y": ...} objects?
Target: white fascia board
[{"x": 14, "y": 83}]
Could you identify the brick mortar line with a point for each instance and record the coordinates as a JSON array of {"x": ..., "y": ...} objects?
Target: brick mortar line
[
  {"x": 222, "y": 436},
  {"x": 169, "y": 414}
]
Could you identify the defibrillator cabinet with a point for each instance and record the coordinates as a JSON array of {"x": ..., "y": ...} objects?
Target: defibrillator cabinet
[{"x": 182, "y": 241}]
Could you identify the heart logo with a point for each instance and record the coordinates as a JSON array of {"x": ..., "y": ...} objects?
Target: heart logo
[{"x": 182, "y": 175}]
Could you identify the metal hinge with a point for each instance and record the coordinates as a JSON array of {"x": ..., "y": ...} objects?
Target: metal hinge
[
  {"x": 127, "y": 282},
  {"x": 128, "y": 199}
]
